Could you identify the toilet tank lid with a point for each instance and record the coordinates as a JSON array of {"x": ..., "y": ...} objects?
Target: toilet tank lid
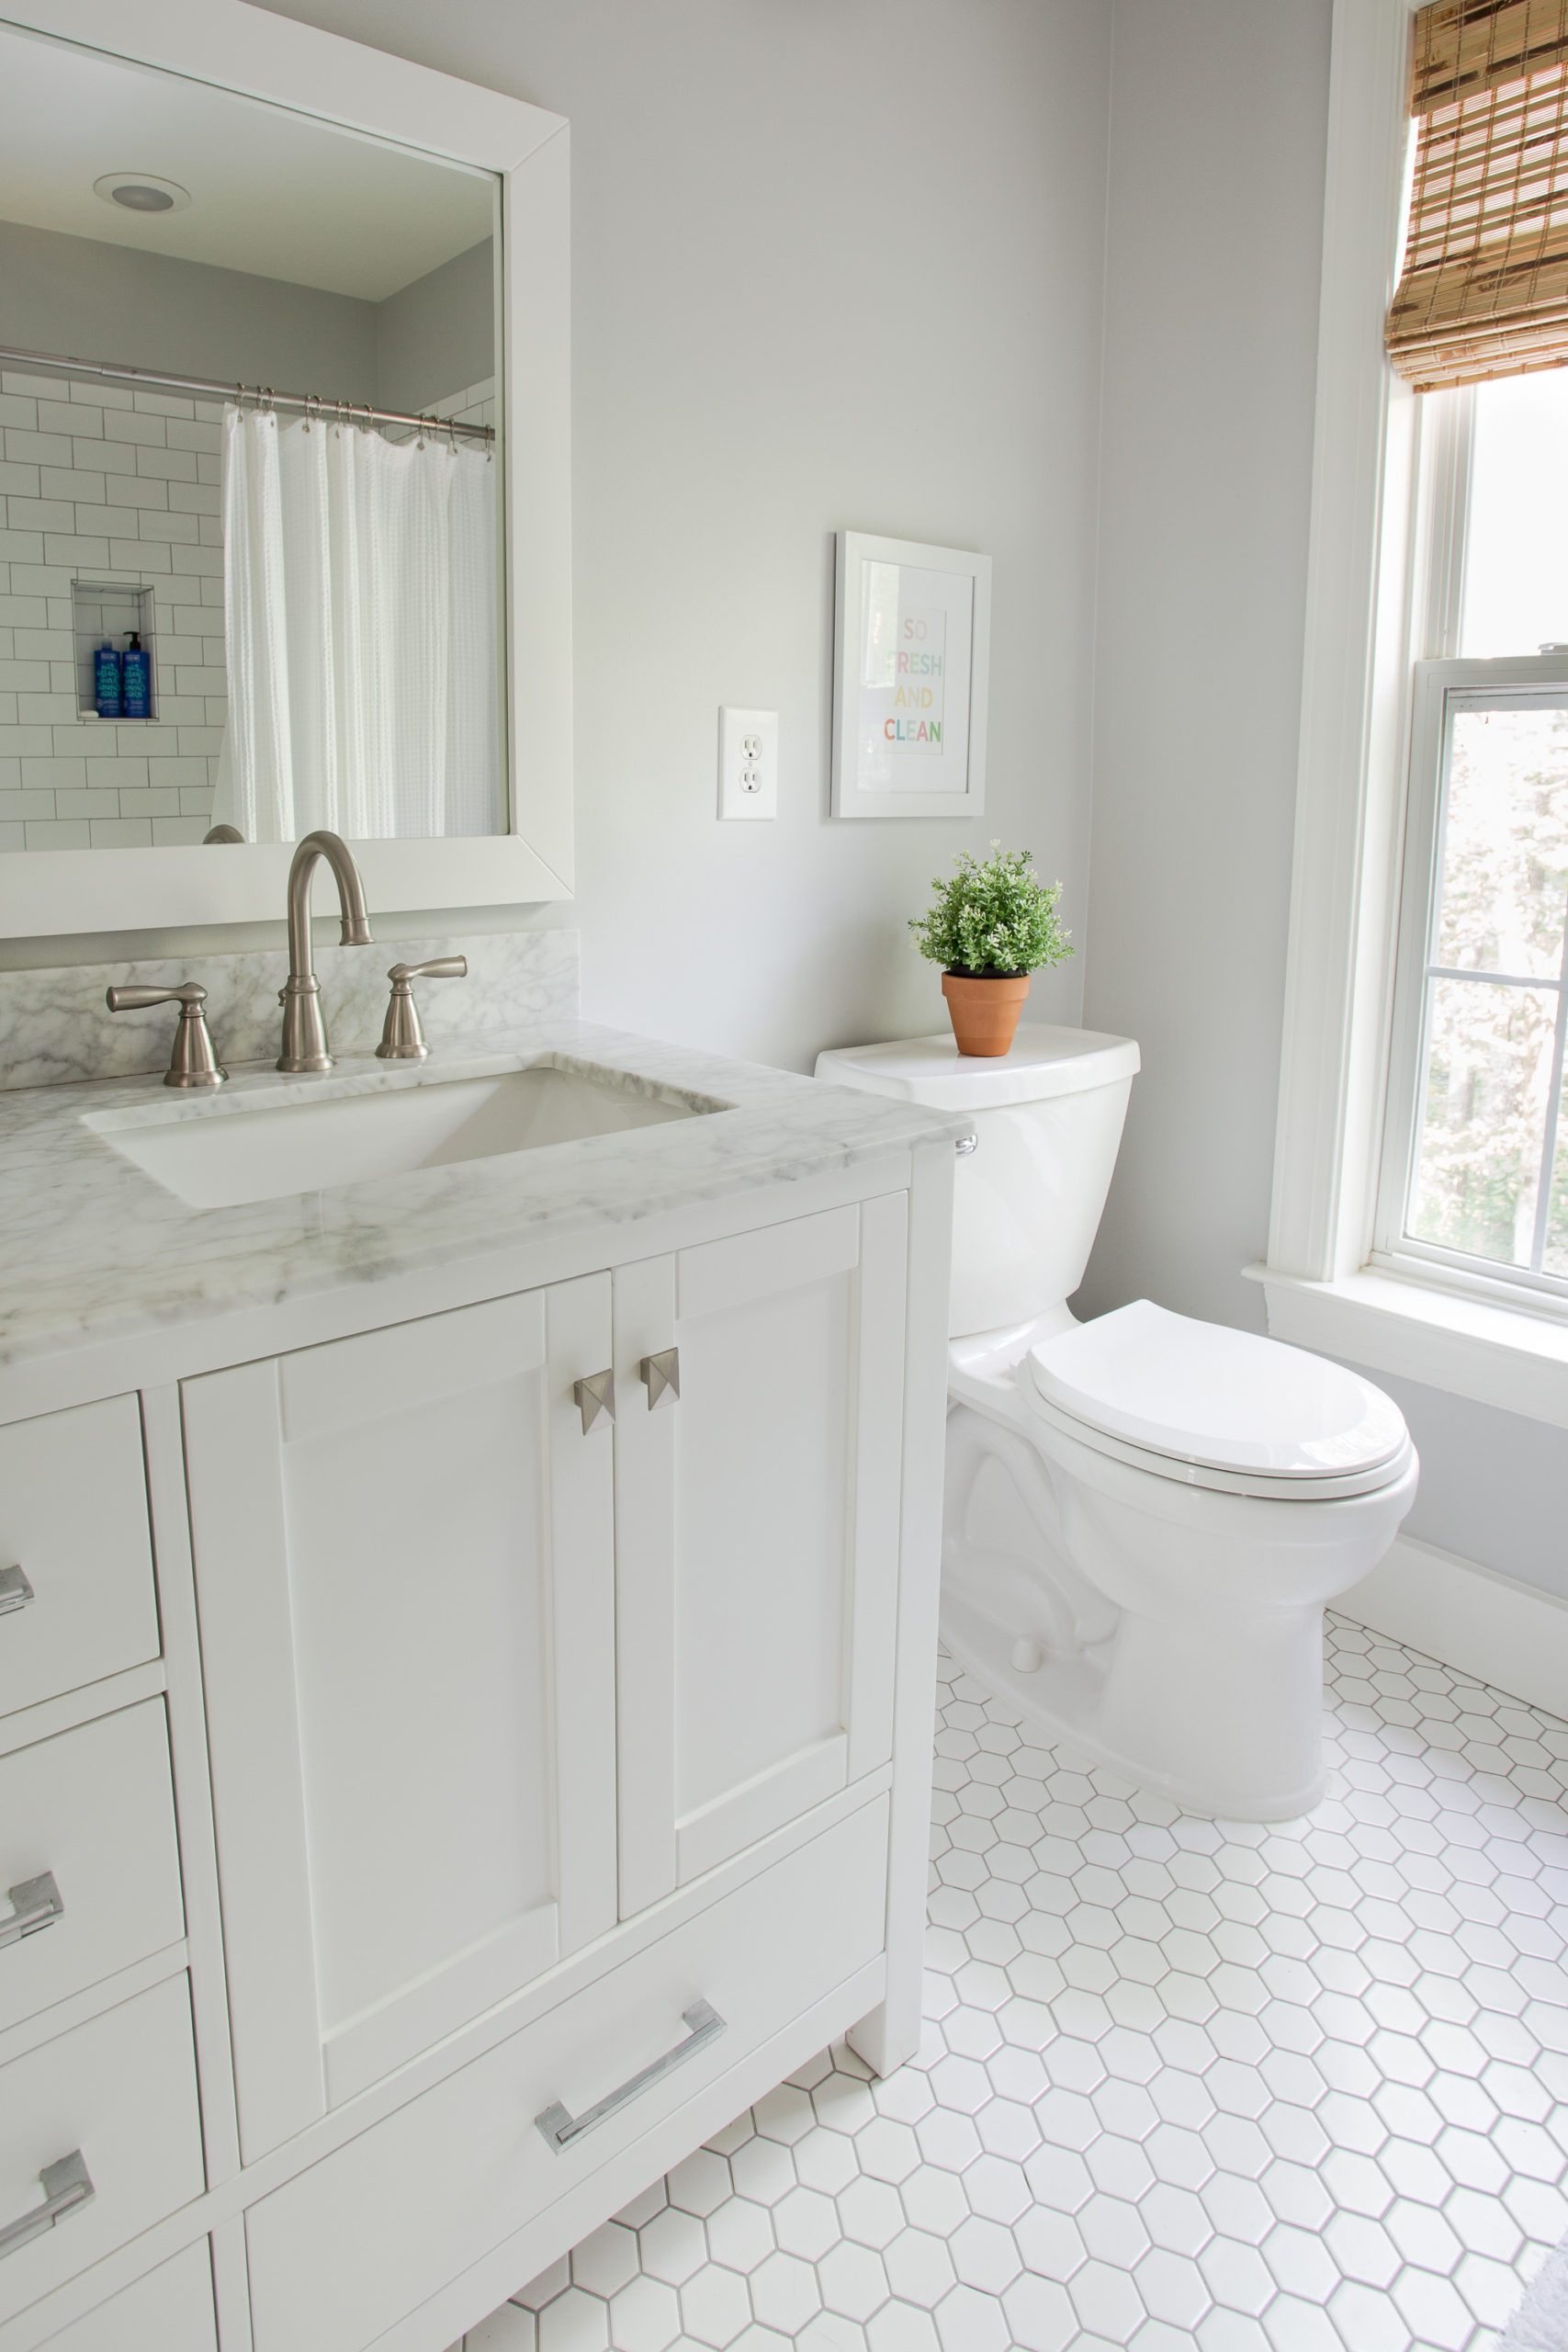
[
  {"x": 1041, "y": 1061},
  {"x": 1205, "y": 1394}
]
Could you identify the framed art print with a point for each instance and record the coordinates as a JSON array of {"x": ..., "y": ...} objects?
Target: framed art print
[{"x": 911, "y": 667}]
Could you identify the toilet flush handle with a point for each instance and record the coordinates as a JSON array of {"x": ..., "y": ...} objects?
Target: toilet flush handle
[{"x": 966, "y": 1144}]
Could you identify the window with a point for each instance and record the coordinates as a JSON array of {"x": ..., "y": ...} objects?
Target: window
[
  {"x": 1476, "y": 1156},
  {"x": 1474, "y": 1182}
]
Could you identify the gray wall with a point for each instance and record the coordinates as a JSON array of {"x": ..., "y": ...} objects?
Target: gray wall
[
  {"x": 1218, "y": 124},
  {"x": 832, "y": 266},
  {"x": 437, "y": 336},
  {"x": 90, "y": 300}
]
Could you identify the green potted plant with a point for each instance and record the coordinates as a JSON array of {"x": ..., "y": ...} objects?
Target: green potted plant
[{"x": 990, "y": 926}]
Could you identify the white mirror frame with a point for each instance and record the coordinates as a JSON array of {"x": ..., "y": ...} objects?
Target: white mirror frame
[{"x": 235, "y": 46}]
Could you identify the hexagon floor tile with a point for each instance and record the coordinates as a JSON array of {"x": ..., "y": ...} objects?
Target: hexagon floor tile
[{"x": 1185, "y": 2083}]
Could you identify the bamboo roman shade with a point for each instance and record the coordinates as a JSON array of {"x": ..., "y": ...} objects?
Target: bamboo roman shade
[{"x": 1484, "y": 287}]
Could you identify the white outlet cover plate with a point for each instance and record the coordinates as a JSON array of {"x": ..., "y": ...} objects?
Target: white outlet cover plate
[{"x": 749, "y": 763}]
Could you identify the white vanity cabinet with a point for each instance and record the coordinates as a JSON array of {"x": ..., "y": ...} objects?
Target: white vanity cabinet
[
  {"x": 448, "y": 1598},
  {"x": 476, "y": 1718}
]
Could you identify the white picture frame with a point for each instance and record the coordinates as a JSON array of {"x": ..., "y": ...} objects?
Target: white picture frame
[
  {"x": 233, "y": 46},
  {"x": 911, "y": 670}
]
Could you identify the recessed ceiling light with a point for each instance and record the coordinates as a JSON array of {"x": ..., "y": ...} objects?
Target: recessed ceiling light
[{"x": 142, "y": 192}]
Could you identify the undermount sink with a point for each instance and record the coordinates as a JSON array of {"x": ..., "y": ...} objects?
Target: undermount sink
[{"x": 226, "y": 1152}]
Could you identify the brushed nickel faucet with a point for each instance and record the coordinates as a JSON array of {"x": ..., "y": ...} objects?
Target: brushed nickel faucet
[{"x": 304, "y": 1032}]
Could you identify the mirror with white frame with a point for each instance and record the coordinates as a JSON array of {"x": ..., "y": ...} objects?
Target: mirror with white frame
[{"x": 260, "y": 472}]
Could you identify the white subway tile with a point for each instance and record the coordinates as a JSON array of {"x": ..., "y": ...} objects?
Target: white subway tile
[
  {"x": 61, "y": 834},
  {"x": 133, "y": 424},
  {"x": 121, "y": 832},
  {"x": 94, "y": 395},
  {"x": 71, "y": 551},
  {"x": 167, "y": 465},
  {"x": 179, "y": 832},
  {"x": 48, "y": 388},
  {"x": 137, "y": 558},
  {"x": 62, "y": 416},
  {"x": 37, "y": 448}
]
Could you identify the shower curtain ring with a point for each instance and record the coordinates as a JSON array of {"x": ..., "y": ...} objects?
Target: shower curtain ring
[{"x": 452, "y": 436}]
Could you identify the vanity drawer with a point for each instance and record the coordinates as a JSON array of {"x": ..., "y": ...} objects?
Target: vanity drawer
[
  {"x": 121, "y": 2091},
  {"x": 93, "y": 1808},
  {"x": 346, "y": 2249},
  {"x": 74, "y": 1522},
  {"x": 169, "y": 2311}
]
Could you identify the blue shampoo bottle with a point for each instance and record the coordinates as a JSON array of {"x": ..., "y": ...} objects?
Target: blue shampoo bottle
[
  {"x": 136, "y": 672},
  {"x": 108, "y": 683}
]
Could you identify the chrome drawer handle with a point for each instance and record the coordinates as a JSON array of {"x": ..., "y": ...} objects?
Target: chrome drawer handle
[
  {"x": 595, "y": 1398},
  {"x": 560, "y": 2129},
  {"x": 661, "y": 1374},
  {"x": 14, "y": 1591},
  {"x": 35, "y": 1904},
  {"x": 65, "y": 2186}
]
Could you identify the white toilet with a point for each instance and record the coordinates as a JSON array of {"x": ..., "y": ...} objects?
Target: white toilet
[{"x": 1145, "y": 1515}]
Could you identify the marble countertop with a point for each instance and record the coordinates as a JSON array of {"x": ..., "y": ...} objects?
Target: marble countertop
[{"x": 92, "y": 1248}]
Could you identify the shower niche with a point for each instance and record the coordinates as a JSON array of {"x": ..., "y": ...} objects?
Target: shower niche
[{"x": 112, "y": 610}]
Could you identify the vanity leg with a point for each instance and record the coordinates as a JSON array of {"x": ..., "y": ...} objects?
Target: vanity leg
[{"x": 890, "y": 2035}]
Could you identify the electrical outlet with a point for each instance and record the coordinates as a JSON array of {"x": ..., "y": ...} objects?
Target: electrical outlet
[{"x": 748, "y": 763}]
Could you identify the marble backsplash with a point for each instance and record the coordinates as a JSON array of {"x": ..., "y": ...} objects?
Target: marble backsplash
[{"x": 55, "y": 1027}]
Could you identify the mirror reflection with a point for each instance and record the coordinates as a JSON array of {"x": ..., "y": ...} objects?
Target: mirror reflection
[{"x": 250, "y": 569}]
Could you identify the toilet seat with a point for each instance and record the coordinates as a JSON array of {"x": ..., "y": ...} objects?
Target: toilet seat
[{"x": 1218, "y": 1408}]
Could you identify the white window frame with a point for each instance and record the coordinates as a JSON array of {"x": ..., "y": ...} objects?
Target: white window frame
[{"x": 1382, "y": 572}]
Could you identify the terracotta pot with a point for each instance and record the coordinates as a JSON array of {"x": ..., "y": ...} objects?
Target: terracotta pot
[{"x": 984, "y": 1013}]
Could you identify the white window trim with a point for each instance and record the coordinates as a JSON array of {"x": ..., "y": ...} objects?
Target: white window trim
[{"x": 1366, "y": 566}]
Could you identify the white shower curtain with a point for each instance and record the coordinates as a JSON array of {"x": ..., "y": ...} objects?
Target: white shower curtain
[{"x": 361, "y": 633}]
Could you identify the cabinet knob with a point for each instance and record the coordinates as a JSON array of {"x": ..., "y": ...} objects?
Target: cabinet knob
[
  {"x": 661, "y": 1375},
  {"x": 596, "y": 1399},
  {"x": 35, "y": 1904},
  {"x": 65, "y": 2185},
  {"x": 14, "y": 1591}
]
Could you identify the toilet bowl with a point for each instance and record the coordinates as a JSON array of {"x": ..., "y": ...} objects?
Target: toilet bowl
[{"x": 1145, "y": 1515}]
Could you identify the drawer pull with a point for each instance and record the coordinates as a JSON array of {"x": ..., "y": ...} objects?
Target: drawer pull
[
  {"x": 35, "y": 1904},
  {"x": 661, "y": 1377},
  {"x": 560, "y": 2129},
  {"x": 65, "y": 2186},
  {"x": 14, "y": 1591},
  {"x": 595, "y": 1398}
]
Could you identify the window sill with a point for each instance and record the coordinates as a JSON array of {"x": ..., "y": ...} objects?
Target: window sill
[{"x": 1494, "y": 1354}]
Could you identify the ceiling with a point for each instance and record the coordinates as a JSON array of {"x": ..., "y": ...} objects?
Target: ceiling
[{"x": 271, "y": 192}]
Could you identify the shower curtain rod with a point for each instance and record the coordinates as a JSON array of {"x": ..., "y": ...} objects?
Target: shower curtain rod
[{"x": 350, "y": 412}]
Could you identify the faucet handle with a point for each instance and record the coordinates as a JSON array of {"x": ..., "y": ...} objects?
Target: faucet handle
[
  {"x": 403, "y": 1039},
  {"x": 194, "y": 1062}
]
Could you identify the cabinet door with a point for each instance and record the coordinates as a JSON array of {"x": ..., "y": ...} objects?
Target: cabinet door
[
  {"x": 757, "y": 1534},
  {"x": 404, "y": 1568}
]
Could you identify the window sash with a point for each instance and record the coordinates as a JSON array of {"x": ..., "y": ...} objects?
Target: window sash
[{"x": 1441, "y": 689}]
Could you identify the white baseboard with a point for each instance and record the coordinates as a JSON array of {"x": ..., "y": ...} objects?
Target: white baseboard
[{"x": 1509, "y": 1635}]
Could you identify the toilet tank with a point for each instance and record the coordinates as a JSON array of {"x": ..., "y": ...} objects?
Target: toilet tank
[{"x": 1047, "y": 1115}]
